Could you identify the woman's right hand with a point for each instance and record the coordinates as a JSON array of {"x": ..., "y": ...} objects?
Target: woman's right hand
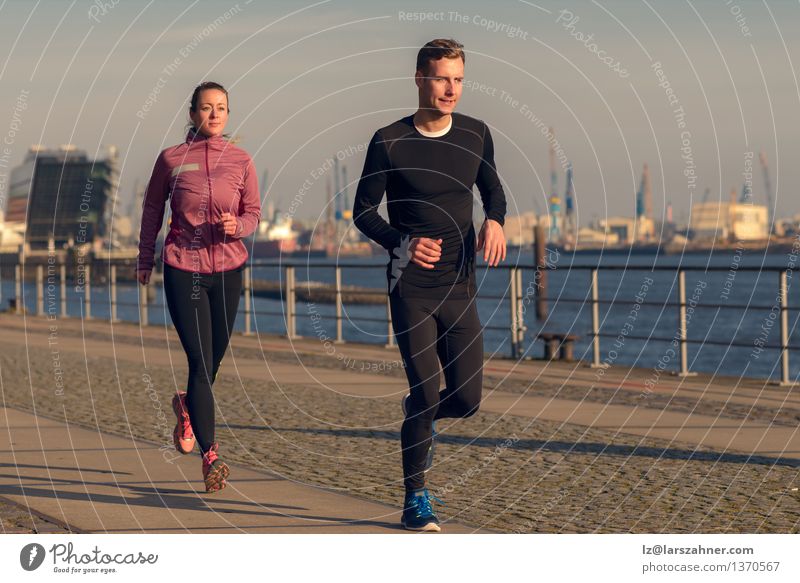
[{"x": 143, "y": 276}]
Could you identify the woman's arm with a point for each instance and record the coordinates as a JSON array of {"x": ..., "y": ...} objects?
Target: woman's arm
[
  {"x": 249, "y": 203},
  {"x": 153, "y": 207}
]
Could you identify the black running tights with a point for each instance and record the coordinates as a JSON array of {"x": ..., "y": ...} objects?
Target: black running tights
[
  {"x": 436, "y": 335},
  {"x": 203, "y": 309}
]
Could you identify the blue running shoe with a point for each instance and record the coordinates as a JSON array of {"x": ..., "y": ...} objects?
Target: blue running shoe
[
  {"x": 417, "y": 512},
  {"x": 434, "y": 434}
]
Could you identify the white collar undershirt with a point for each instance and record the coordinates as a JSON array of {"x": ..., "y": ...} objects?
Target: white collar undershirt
[{"x": 438, "y": 134}]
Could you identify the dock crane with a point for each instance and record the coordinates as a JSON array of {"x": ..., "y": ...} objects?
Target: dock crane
[
  {"x": 555, "y": 201},
  {"x": 767, "y": 189}
]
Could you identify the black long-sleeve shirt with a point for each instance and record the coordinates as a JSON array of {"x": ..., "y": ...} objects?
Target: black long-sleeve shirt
[{"x": 428, "y": 184}]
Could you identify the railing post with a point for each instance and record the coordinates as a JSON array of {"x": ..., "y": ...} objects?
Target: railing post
[
  {"x": 595, "y": 322},
  {"x": 520, "y": 313},
  {"x": 513, "y": 312},
  {"x": 143, "y": 297},
  {"x": 339, "y": 335},
  {"x": 63, "y": 277},
  {"x": 684, "y": 372},
  {"x": 784, "y": 330},
  {"x": 389, "y": 328},
  {"x": 40, "y": 290},
  {"x": 113, "y": 284},
  {"x": 87, "y": 298},
  {"x": 247, "y": 287},
  {"x": 291, "y": 318},
  {"x": 18, "y": 288}
]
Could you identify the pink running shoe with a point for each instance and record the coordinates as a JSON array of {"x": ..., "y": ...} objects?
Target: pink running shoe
[
  {"x": 183, "y": 436},
  {"x": 215, "y": 471}
]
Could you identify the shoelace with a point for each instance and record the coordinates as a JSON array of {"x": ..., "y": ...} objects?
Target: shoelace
[
  {"x": 422, "y": 504},
  {"x": 186, "y": 426},
  {"x": 211, "y": 455},
  {"x": 186, "y": 423}
]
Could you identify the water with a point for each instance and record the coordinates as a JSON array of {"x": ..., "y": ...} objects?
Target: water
[{"x": 656, "y": 321}]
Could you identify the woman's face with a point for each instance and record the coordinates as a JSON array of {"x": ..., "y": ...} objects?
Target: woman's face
[{"x": 211, "y": 114}]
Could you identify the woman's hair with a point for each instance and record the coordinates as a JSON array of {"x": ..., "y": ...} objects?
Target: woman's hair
[{"x": 196, "y": 95}]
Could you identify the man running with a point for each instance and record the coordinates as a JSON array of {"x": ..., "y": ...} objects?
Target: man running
[{"x": 427, "y": 164}]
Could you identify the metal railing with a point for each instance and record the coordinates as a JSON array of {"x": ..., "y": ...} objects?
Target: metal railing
[
  {"x": 683, "y": 340},
  {"x": 516, "y": 327}
]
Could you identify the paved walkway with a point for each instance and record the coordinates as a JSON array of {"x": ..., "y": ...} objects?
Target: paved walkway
[
  {"x": 556, "y": 447},
  {"x": 91, "y": 482}
]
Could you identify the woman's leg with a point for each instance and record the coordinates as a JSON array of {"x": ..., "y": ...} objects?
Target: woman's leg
[
  {"x": 223, "y": 296},
  {"x": 189, "y": 307}
]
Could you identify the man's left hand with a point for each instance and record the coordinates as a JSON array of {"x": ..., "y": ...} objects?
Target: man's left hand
[{"x": 493, "y": 242}]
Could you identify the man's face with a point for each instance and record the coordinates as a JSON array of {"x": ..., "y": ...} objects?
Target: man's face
[{"x": 440, "y": 85}]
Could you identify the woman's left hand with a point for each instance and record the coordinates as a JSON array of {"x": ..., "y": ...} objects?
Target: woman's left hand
[{"x": 229, "y": 224}]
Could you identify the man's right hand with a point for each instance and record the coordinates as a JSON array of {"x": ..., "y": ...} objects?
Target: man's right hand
[
  {"x": 425, "y": 252},
  {"x": 143, "y": 276}
]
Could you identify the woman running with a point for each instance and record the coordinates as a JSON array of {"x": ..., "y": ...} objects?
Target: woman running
[{"x": 214, "y": 204}]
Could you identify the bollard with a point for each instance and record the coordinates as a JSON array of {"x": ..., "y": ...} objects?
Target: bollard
[{"x": 540, "y": 275}]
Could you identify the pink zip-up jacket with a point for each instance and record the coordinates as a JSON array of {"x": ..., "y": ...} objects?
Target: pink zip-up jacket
[{"x": 204, "y": 177}]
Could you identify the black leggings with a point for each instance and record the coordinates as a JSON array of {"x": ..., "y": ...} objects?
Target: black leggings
[
  {"x": 434, "y": 335},
  {"x": 203, "y": 309}
]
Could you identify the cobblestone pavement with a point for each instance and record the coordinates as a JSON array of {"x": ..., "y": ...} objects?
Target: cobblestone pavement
[
  {"x": 543, "y": 388},
  {"x": 493, "y": 471}
]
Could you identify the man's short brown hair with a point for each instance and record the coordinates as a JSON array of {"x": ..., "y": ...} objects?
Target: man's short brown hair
[{"x": 440, "y": 48}]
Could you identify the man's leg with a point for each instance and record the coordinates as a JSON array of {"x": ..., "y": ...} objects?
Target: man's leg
[
  {"x": 415, "y": 330},
  {"x": 460, "y": 349}
]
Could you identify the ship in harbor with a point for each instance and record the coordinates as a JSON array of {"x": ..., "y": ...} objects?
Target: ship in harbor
[{"x": 275, "y": 238}]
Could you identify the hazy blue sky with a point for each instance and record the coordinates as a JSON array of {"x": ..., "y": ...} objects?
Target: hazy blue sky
[{"x": 309, "y": 79}]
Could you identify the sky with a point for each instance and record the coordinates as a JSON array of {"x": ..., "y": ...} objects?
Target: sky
[{"x": 695, "y": 89}]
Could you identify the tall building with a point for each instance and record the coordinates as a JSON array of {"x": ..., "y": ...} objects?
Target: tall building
[
  {"x": 645, "y": 230},
  {"x": 61, "y": 194},
  {"x": 644, "y": 197}
]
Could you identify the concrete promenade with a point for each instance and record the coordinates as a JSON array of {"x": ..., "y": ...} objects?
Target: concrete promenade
[{"x": 313, "y": 439}]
